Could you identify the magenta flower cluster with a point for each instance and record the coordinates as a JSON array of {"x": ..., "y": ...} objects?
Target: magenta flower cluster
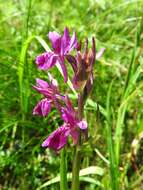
[{"x": 82, "y": 64}]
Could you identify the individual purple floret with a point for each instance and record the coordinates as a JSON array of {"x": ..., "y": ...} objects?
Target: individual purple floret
[
  {"x": 71, "y": 127},
  {"x": 51, "y": 94},
  {"x": 62, "y": 46}
]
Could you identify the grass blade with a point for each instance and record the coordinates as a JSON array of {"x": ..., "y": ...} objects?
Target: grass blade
[
  {"x": 114, "y": 173},
  {"x": 86, "y": 171},
  {"x": 127, "y": 93}
]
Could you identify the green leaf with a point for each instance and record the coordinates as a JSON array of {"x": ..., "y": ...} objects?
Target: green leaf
[{"x": 86, "y": 171}]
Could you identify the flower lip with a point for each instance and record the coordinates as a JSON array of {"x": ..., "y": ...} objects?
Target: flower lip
[
  {"x": 58, "y": 139},
  {"x": 46, "y": 60},
  {"x": 42, "y": 108},
  {"x": 82, "y": 124}
]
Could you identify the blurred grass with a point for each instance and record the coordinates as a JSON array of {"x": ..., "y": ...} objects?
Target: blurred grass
[{"x": 117, "y": 26}]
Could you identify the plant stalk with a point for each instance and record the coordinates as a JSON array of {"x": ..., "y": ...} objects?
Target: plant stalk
[
  {"x": 63, "y": 170},
  {"x": 77, "y": 153}
]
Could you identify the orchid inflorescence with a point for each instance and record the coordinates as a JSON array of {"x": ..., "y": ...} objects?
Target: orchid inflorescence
[{"x": 82, "y": 64}]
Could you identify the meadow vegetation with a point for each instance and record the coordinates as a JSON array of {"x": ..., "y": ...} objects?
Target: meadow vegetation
[{"x": 113, "y": 155}]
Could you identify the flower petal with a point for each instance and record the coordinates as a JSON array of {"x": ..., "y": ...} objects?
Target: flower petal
[
  {"x": 41, "y": 83},
  {"x": 40, "y": 61},
  {"x": 46, "y": 60},
  {"x": 100, "y": 53},
  {"x": 65, "y": 41},
  {"x": 73, "y": 43},
  {"x": 75, "y": 135},
  {"x": 80, "y": 78},
  {"x": 44, "y": 88},
  {"x": 55, "y": 38},
  {"x": 53, "y": 81},
  {"x": 82, "y": 124},
  {"x": 64, "y": 69},
  {"x": 51, "y": 61},
  {"x": 68, "y": 113},
  {"x": 58, "y": 139},
  {"x": 89, "y": 84},
  {"x": 92, "y": 56},
  {"x": 71, "y": 59},
  {"x": 42, "y": 108}
]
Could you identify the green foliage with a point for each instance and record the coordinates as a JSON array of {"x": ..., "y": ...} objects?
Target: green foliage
[{"x": 113, "y": 111}]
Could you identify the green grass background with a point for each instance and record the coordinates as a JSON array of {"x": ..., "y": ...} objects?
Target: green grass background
[{"x": 114, "y": 111}]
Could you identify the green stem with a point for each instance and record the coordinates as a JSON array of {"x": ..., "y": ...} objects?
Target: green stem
[
  {"x": 63, "y": 170},
  {"x": 76, "y": 168},
  {"x": 77, "y": 153}
]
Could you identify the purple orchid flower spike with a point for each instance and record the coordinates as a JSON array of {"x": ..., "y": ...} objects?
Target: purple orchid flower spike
[
  {"x": 72, "y": 125},
  {"x": 62, "y": 46},
  {"x": 51, "y": 94}
]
